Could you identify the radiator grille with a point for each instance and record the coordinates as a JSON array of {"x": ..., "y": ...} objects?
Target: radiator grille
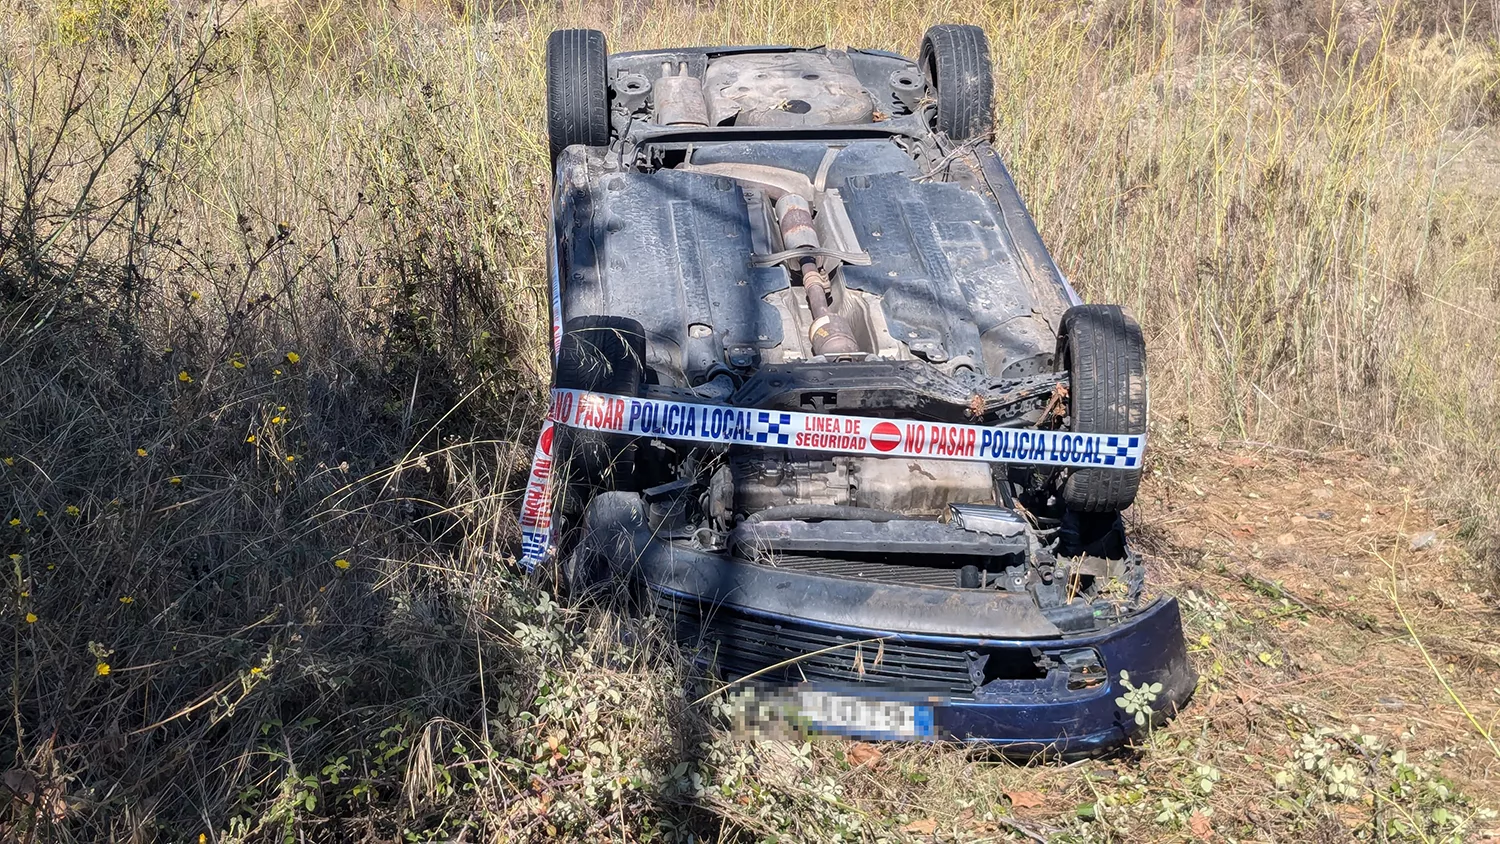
[{"x": 735, "y": 645}]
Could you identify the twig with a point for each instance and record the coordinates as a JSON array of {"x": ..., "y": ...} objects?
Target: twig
[
  {"x": 1427, "y": 658},
  {"x": 793, "y": 661},
  {"x": 1017, "y": 826}
]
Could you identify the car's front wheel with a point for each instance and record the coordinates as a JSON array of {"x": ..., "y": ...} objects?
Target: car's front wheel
[
  {"x": 577, "y": 93},
  {"x": 1102, "y": 349},
  {"x": 598, "y": 354}
]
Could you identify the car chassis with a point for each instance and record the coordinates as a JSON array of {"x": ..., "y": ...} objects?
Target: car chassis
[{"x": 821, "y": 393}]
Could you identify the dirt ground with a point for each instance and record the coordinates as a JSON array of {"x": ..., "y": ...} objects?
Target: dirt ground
[{"x": 1320, "y": 597}]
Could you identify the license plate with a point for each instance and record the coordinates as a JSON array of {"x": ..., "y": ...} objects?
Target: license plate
[{"x": 857, "y": 716}]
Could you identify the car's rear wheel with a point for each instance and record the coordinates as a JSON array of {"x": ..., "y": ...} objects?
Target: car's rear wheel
[
  {"x": 1102, "y": 349},
  {"x": 577, "y": 93},
  {"x": 955, "y": 58}
]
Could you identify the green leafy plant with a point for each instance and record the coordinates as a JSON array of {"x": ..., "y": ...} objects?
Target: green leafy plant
[{"x": 1137, "y": 700}]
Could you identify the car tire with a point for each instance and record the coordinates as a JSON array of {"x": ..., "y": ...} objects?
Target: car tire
[
  {"x": 606, "y": 550},
  {"x": 577, "y": 93},
  {"x": 955, "y": 58},
  {"x": 1104, "y": 353},
  {"x": 598, "y": 354}
]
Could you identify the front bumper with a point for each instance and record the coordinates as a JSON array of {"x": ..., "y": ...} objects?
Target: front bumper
[
  {"x": 987, "y": 666},
  {"x": 1020, "y": 715}
]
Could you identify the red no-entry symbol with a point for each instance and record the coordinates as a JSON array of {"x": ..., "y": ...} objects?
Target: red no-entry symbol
[{"x": 885, "y": 436}]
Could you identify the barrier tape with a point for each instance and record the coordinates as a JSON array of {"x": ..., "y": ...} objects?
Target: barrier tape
[{"x": 837, "y": 434}]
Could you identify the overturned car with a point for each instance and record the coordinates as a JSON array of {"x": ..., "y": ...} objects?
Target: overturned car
[{"x": 822, "y": 394}]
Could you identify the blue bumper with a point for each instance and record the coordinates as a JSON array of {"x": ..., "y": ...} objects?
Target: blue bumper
[
  {"x": 1048, "y": 717},
  {"x": 1052, "y": 714}
]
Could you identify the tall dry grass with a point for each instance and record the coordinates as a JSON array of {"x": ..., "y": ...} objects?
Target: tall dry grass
[{"x": 271, "y": 352}]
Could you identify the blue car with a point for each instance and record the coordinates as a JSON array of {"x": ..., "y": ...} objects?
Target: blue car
[{"x": 823, "y": 399}]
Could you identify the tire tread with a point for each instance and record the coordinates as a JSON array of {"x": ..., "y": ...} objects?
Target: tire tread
[
  {"x": 963, "y": 78},
  {"x": 577, "y": 92},
  {"x": 1106, "y": 354}
]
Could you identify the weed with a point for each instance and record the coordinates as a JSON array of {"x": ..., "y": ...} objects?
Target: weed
[{"x": 273, "y": 348}]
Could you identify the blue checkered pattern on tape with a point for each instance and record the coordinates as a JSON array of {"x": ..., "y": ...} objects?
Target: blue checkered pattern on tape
[
  {"x": 773, "y": 429},
  {"x": 1123, "y": 446}
]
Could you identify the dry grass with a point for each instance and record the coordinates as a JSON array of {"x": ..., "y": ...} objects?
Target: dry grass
[{"x": 271, "y": 320}]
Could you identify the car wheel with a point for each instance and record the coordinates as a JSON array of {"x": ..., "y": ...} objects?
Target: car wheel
[
  {"x": 577, "y": 96},
  {"x": 607, "y": 546},
  {"x": 599, "y": 354},
  {"x": 1102, "y": 349},
  {"x": 955, "y": 58}
]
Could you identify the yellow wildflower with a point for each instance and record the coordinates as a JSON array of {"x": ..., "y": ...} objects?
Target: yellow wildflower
[
  {"x": 255, "y": 669},
  {"x": 291, "y": 458},
  {"x": 41, "y": 512},
  {"x": 281, "y": 407},
  {"x": 126, "y": 599},
  {"x": 73, "y": 510},
  {"x": 341, "y": 563},
  {"x": 250, "y": 439},
  {"x": 140, "y": 452},
  {"x": 194, "y": 295},
  {"x": 237, "y": 363},
  {"x": 102, "y": 669},
  {"x": 31, "y": 618},
  {"x": 10, "y": 461},
  {"x": 277, "y": 420},
  {"x": 293, "y": 357},
  {"x": 184, "y": 377},
  {"x": 275, "y": 372},
  {"x": 15, "y": 522},
  {"x": 174, "y": 481}
]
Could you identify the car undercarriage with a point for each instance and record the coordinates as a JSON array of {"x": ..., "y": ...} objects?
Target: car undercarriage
[{"x": 822, "y": 395}]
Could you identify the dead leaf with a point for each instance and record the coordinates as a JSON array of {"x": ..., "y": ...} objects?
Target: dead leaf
[
  {"x": 1201, "y": 828},
  {"x": 862, "y": 754},
  {"x": 1025, "y": 799},
  {"x": 25, "y": 788},
  {"x": 1353, "y": 817},
  {"x": 926, "y": 826},
  {"x": 19, "y": 782}
]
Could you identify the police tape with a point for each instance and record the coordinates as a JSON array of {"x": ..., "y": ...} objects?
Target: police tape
[{"x": 838, "y": 434}]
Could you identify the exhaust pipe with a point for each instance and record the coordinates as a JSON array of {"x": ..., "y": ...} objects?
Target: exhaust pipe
[{"x": 830, "y": 333}]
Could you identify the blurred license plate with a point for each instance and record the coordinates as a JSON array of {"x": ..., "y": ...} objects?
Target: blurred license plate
[{"x": 857, "y": 716}]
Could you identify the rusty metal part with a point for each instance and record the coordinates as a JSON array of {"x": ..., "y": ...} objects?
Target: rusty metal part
[
  {"x": 679, "y": 99},
  {"x": 1057, "y": 405},
  {"x": 756, "y": 481},
  {"x": 776, "y": 182},
  {"x": 831, "y": 336},
  {"x": 795, "y": 217},
  {"x": 975, "y": 410},
  {"x": 908, "y": 86},
  {"x": 830, "y": 333},
  {"x": 632, "y": 90},
  {"x": 786, "y": 89}
]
